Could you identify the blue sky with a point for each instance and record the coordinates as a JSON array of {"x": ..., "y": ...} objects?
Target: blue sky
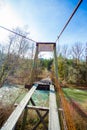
[{"x": 45, "y": 19}]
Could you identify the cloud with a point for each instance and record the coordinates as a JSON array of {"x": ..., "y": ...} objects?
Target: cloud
[{"x": 8, "y": 19}]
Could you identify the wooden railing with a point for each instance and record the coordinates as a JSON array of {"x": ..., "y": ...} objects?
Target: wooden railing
[
  {"x": 12, "y": 120},
  {"x": 23, "y": 106},
  {"x": 53, "y": 113}
]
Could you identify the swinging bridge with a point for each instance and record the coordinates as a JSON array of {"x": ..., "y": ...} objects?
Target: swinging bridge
[
  {"x": 43, "y": 84},
  {"x": 54, "y": 112}
]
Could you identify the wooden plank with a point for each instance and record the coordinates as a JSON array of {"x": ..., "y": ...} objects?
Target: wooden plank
[
  {"x": 12, "y": 120},
  {"x": 38, "y": 108},
  {"x": 53, "y": 112}
]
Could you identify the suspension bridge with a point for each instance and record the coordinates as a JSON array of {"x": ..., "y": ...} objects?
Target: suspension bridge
[
  {"x": 53, "y": 110},
  {"x": 59, "y": 116}
]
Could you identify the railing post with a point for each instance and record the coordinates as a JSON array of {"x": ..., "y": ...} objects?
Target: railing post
[
  {"x": 12, "y": 120},
  {"x": 24, "y": 118}
]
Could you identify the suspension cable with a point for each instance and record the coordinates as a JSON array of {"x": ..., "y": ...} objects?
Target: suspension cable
[
  {"x": 69, "y": 19},
  {"x": 60, "y": 32},
  {"x": 17, "y": 33}
]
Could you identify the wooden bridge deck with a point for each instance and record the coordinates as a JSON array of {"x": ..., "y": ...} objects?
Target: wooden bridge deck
[{"x": 52, "y": 110}]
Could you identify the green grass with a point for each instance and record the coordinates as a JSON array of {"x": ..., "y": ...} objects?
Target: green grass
[{"x": 75, "y": 94}]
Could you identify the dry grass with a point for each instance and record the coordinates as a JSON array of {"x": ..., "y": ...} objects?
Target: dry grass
[
  {"x": 5, "y": 112},
  {"x": 80, "y": 123},
  {"x": 32, "y": 118}
]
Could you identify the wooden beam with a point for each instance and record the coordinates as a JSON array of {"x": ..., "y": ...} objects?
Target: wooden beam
[
  {"x": 24, "y": 118},
  {"x": 53, "y": 111},
  {"x": 38, "y": 108},
  {"x": 45, "y": 43},
  {"x": 56, "y": 62},
  {"x": 35, "y": 127},
  {"x": 41, "y": 119},
  {"x": 12, "y": 120},
  {"x": 35, "y": 107}
]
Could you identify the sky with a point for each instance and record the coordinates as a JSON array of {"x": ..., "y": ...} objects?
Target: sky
[{"x": 45, "y": 19}]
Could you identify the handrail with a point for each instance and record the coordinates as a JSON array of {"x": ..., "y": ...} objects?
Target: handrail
[
  {"x": 12, "y": 120},
  {"x": 54, "y": 123}
]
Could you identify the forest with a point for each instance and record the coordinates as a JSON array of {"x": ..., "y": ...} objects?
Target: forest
[{"x": 16, "y": 62}]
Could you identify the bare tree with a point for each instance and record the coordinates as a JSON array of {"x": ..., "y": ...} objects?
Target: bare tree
[
  {"x": 65, "y": 51},
  {"x": 65, "y": 56},
  {"x": 77, "y": 51},
  {"x": 18, "y": 49}
]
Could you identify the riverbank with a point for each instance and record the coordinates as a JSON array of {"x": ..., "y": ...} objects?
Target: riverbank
[{"x": 77, "y": 99}]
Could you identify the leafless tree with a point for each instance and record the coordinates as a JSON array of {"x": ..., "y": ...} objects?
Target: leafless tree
[
  {"x": 65, "y": 51},
  {"x": 17, "y": 50},
  {"x": 77, "y": 51}
]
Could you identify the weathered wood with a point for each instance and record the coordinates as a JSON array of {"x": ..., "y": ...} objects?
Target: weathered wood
[
  {"x": 38, "y": 108},
  {"x": 56, "y": 62},
  {"x": 45, "y": 46},
  {"x": 12, "y": 120},
  {"x": 24, "y": 118},
  {"x": 53, "y": 112},
  {"x": 35, "y": 127},
  {"x": 35, "y": 107},
  {"x": 41, "y": 119}
]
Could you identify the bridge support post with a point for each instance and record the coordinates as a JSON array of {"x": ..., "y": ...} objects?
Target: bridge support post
[
  {"x": 56, "y": 62},
  {"x": 34, "y": 67},
  {"x": 24, "y": 118}
]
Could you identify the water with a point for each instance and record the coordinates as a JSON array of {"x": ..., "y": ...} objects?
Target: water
[
  {"x": 10, "y": 94},
  {"x": 41, "y": 97}
]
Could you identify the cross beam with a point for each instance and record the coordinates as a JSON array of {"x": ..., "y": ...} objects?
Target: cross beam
[{"x": 41, "y": 117}]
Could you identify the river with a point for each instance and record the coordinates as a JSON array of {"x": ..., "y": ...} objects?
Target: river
[{"x": 11, "y": 94}]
